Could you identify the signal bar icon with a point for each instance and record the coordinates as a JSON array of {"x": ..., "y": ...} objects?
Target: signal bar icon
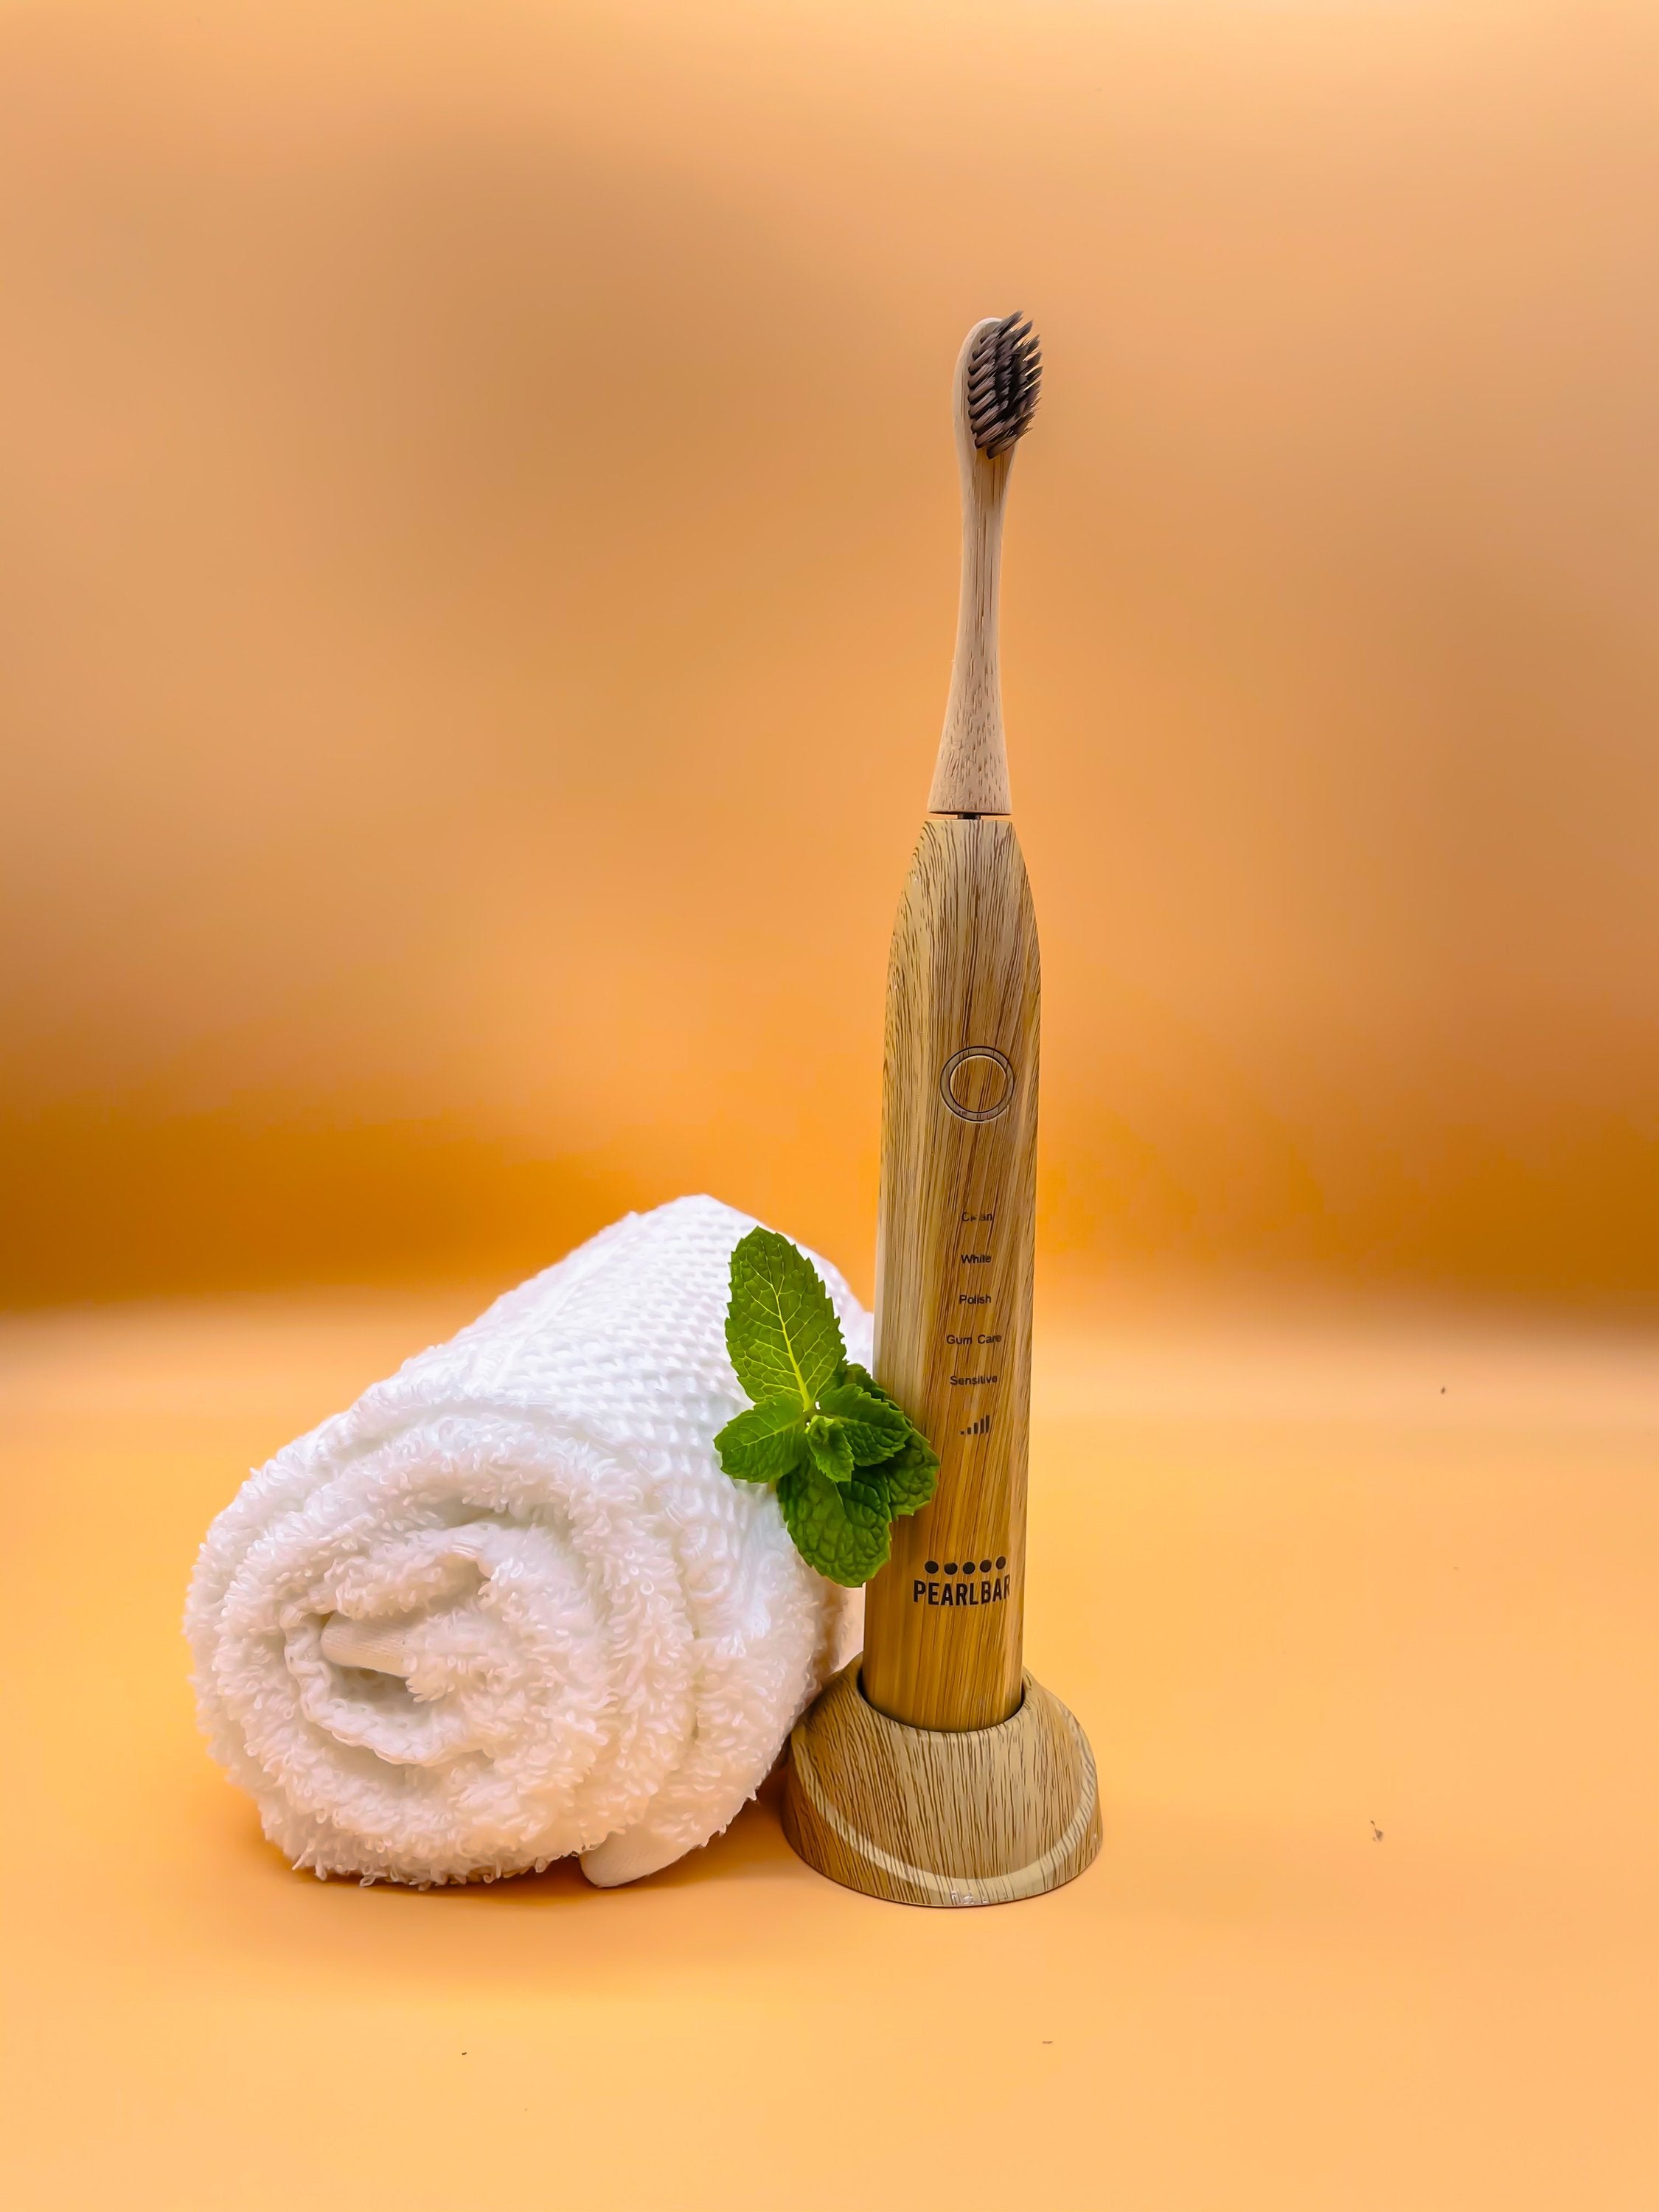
[{"x": 979, "y": 1428}]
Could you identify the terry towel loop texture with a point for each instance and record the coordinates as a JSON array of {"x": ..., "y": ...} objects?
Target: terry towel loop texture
[{"x": 509, "y": 1607}]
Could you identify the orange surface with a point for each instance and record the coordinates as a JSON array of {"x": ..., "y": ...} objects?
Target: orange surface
[
  {"x": 477, "y": 525},
  {"x": 1304, "y": 1579}
]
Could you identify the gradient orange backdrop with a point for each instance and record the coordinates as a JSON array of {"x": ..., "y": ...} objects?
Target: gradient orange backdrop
[{"x": 478, "y": 525}]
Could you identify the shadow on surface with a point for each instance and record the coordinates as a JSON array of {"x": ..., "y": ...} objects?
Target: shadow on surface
[{"x": 753, "y": 1848}]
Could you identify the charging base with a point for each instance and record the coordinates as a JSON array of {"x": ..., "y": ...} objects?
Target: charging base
[{"x": 941, "y": 1816}]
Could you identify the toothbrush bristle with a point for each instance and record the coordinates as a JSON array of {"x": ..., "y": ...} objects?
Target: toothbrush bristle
[{"x": 1004, "y": 372}]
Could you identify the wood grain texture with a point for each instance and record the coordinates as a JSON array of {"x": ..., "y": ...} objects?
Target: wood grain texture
[
  {"x": 928, "y": 1816},
  {"x": 971, "y": 774},
  {"x": 944, "y": 1618}
]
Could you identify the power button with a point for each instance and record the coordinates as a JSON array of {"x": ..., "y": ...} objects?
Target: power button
[{"x": 977, "y": 1083}]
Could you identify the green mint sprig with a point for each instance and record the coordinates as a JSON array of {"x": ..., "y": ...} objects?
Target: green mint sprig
[{"x": 845, "y": 1460}]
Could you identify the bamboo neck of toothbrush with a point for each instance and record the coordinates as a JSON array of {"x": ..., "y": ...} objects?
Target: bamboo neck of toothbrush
[{"x": 936, "y": 1771}]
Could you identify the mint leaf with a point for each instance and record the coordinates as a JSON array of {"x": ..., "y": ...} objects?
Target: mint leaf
[
  {"x": 911, "y": 1474},
  {"x": 780, "y": 1328},
  {"x": 850, "y": 1371},
  {"x": 875, "y": 1427},
  {"x": 869, "y": 1487},
  {"x": 844, "y": 1455},
  {"x": 764, "y": 1442},
  {"x": 831, "y": 1453},
  {"x": 841, "y": 1532}
]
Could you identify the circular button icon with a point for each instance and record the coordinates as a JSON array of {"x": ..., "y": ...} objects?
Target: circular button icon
[{"x": 977, "y": 1083}]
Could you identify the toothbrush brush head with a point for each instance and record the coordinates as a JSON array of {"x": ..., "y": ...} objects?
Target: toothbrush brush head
[{"x": 1004, "y": 372}]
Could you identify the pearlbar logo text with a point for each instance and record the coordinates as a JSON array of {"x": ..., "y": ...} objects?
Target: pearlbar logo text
[{"x": 988, "y": 1584}]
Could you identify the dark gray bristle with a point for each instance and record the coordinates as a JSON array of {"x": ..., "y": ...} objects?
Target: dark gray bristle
[{"x": 1004, "y": 372}]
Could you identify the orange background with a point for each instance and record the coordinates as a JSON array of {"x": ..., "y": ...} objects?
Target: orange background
[{"x": 477, "y": 553}]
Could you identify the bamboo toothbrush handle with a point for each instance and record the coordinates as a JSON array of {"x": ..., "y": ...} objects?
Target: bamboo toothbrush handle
[{"x": 944, "y": 1620}]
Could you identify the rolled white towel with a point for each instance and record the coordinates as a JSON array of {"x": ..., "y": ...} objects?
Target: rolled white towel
[{"x": 509, "y": 1607}]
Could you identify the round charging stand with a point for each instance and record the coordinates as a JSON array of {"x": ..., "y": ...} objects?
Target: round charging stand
[{"x": 941, "y": 1816}]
